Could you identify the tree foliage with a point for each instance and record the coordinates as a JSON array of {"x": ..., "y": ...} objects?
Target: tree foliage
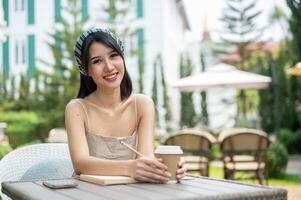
[
  {"x": 295, "y": 27},
  {"x": 239, "y": 21},
  {"x": 158, "y": 65},
  {"x": 295, "y": 57},
  {"x": 188, "y": 115},
  {"x": 204, "y": 118},
  {"x": 166, "y": 105},
  {"x": 46, "y": 94},
  {"x": 155, "y": 89}
]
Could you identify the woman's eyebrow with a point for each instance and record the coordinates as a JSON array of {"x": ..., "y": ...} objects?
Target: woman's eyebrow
[
  {"x": 95, "y": 57},
  {"x": 112, "y": 51}
]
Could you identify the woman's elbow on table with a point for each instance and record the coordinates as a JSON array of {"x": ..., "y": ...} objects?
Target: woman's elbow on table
[{"x": 80, "y": 166}]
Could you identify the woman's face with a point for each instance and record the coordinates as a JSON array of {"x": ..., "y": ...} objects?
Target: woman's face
[{"x": 105, "y": 66}]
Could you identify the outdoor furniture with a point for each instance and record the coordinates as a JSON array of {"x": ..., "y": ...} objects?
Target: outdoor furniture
[
  {"x": 57, "y": 135},
  {"x": 244, "y": 150},
  {"x": 196, "y": 145},
  {"x": 36, "y": 162},
  {"x": 3, "y": 126},
  {"x": 191, "y": 188}
]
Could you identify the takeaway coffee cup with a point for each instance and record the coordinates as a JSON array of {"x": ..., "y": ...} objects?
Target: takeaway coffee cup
[{"x": 171, "y": 156}]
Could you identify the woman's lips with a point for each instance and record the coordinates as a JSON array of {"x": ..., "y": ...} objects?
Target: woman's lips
[{"x": 111, "y": 77}]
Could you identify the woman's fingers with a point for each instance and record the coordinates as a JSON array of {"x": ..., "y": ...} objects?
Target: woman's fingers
[
  {"x": 154, "y": 162},
  {"x": 151, "y": 170},
  {"x": 150, "y": 180},
  {"x": 181, "y": 169},
  {"x": 159, "y": 164},
  {"x": 152, "y": 176},
  {"x": 181, "y": 162},
  {"x": 181, "y": 173}
]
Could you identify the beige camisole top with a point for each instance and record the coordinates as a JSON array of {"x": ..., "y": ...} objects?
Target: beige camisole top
[{"x": 107, "y": 147}]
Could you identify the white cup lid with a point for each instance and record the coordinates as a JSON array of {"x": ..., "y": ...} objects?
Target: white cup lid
[{"x": 168, "y": 150}]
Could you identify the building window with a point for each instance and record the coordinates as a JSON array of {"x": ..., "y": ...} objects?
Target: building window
[
  {"x": 20, "y": 52},
  {"x": 19, "y": 5},
  {"x": 6, "y": 11},
  {"x": 131, "y": 41},
  {"x": 17, "y": 52},
  {"x": 16, "y": 5},
  {"x": 23, "y": 52},
  {"x": 22, "y": 5}
]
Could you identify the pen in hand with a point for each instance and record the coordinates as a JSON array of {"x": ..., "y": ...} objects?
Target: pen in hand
[{"x": 131, "y": 148}]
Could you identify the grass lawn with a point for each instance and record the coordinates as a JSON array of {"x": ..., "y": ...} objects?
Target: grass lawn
[{"x": 283, "y": 180}]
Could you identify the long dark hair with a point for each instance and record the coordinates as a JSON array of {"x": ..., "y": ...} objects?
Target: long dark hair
[{"x": 87, "y": 85}]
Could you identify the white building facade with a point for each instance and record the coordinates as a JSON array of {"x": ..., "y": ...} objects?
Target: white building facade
[{"x": 160, "y": 30}]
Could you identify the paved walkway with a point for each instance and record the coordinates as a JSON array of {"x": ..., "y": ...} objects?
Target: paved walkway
[
  {"x": 294, "y": 165},
  {"x": 293, "y": 192},
  {"x": 293, "y": 168}
]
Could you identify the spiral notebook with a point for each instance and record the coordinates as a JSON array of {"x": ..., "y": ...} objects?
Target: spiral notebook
[{"x": 107, "y": 180}]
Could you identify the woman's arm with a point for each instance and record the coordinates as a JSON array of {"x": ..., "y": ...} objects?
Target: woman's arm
[
  {"x": 148, "y": 171},
  {"x": 146, "y": 125},
  {"x": 146, "y": 131}
]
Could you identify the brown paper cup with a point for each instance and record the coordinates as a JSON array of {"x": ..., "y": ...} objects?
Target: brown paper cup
[{"x": 171, "y": 156}]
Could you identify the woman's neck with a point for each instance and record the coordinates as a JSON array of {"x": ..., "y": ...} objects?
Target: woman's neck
[{"x": 108, "y": 99}]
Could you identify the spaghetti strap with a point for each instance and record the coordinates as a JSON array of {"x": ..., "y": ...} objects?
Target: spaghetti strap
[
  {"x": 136, "y": 113},
  {"x": 85, "y": 111}
]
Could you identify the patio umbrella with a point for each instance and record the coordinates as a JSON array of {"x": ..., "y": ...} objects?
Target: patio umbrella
[
  {"x": 218, "y": 77},
  {"x": 222, "y": 76}
]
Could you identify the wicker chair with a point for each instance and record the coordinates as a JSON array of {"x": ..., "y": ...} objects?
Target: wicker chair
[
  {"x": 36, "y": 162},
  {"x": 244, "y": 150},
  {"x": 57, "y": 135},
  {"x": 196, "y": 145}
]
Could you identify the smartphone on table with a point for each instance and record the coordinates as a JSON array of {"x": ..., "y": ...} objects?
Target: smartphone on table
[{"x": 58, "y": 184}]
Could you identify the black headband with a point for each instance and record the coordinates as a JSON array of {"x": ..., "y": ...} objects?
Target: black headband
[{"x": 81, "y": 40}]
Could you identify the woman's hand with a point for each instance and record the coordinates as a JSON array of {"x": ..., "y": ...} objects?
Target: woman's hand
[
  {"x": 149, "y": 170},
  {"x": 181, "y": 169}
]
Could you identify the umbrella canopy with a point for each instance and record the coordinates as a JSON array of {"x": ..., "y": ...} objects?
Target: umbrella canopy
[
  {"x": 222, "y": 76},
  {"x": 296, "y": 70}
]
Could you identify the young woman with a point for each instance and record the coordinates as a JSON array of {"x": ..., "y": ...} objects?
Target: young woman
[{"x": 106, "y": 112}]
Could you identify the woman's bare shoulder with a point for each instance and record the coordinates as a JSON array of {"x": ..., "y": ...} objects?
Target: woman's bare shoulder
[
  {"x": 143, "y": 100},
  {"x": 73, "y": 105}
]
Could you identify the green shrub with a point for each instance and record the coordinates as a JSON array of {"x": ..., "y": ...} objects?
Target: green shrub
[
  {"x": 277, "y": 158},
  {"x": 294, "y": 146},
  {"x": 49, "y": 120},
  {"x": 285, "y": 136},
  {"x": 215, "y": 153},
  {"x": 21, "y": 126},
  {"x": 4, "y": 149},
  {"x": 291, "y": 140},
  {"x": 27, "y": 126}
]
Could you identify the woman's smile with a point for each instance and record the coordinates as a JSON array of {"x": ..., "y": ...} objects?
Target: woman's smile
[{"x": 111, "y": 77}]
